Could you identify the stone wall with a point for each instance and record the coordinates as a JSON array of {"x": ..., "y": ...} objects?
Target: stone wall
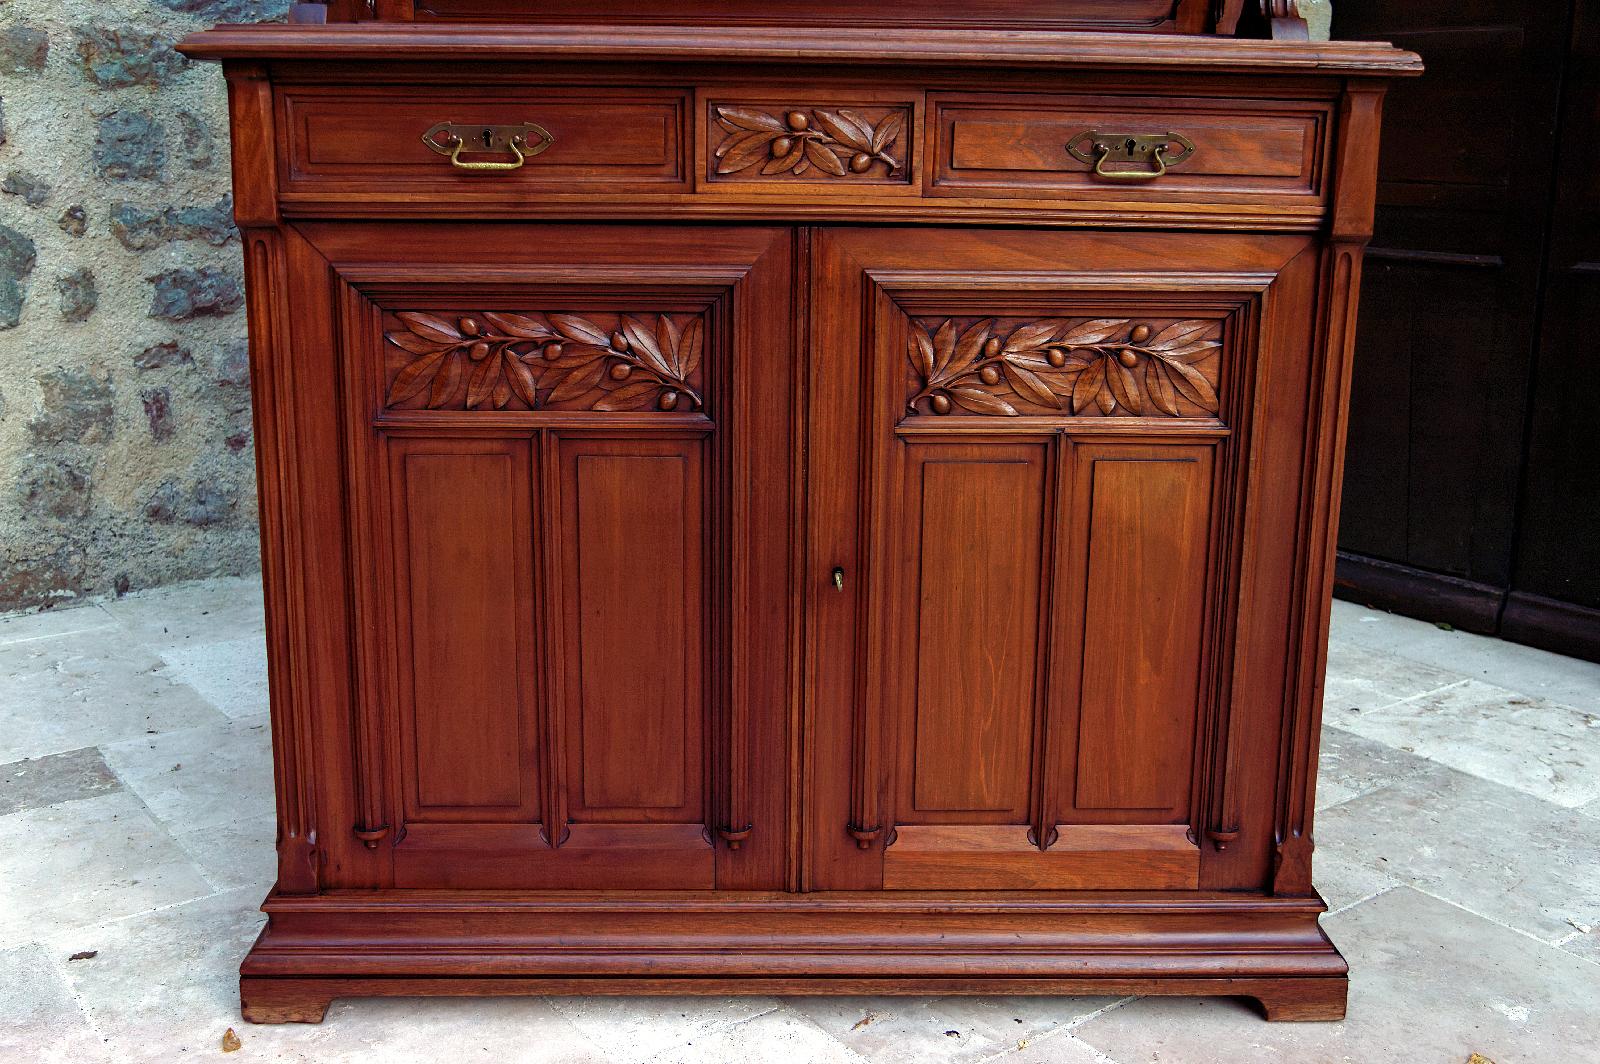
[{"x": 125, "y": 439}]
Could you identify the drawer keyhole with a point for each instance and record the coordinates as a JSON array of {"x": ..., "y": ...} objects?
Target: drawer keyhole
[{"x": 488, "y": 138}]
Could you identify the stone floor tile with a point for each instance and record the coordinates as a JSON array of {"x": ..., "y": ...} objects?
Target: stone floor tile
[
  {"x": 1351, "y": 766},
  {"x": 206, "y": 611},
  {"x": 1544, "y": 748},
  {"x": 892, "y": 1030},
  {"x": 776, "y": 1037},
  {"x": 1360, "y": 678},
  {"x": 1430, "y": 984},
  {"x": 231, "y": 675},
  {"x": 514, "y": 1030},
  {"x": 1010, "y": 1019},
  {"x": 40, "y": 781},
  {"x": 31, "y": 627},
  {"x": 1585, "y": 945},
  {"x": 41, "y": 1021},
  {"x": 163, "y": 985},
  {"x": 87, "y": 689},
  {"x": 200, "y": 777},
  {"x": 239, "y": 853},
  {"x": 1538, "y": 673},
  {"x": 638, "y": 1028},
  {"x": 83, "y": 862},
  {"x": 1056, "y": 1047},
  {"x": 1496, "y": 851}
]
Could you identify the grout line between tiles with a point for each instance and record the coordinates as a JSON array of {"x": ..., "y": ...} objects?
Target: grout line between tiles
[
  {"x": 1498, "y": 923},
  {"x": 1362, "y": 901}
]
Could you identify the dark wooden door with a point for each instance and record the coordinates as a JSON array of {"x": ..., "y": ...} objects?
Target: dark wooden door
[
  {"x": 1450, "y": 303},
  {"x": 1026, "y": 486},
  {"x": 574, "y": 611}
]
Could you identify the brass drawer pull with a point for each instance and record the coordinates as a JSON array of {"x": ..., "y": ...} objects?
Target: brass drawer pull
[
  {"x": 452, "y": 138},
  {"x": 1139, "y": 157}
]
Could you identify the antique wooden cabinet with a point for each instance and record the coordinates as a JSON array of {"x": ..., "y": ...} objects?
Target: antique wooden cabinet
[{"x": 798, "y": 506}]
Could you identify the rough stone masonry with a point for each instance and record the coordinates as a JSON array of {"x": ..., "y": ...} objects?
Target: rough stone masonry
[{"x": 125, "y": 438}]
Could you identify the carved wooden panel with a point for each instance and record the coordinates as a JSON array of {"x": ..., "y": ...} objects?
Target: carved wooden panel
[
  {"x": 1136, "y": 574},
  {"x": 857, "y": 143},
  {"x": 634, "y": 629},
  {"x": 1084, "y": 367},
  {"x": 461, "y": 512},
  {"x": 558, "y": 360},
  {"x": 973, "y": 605}
]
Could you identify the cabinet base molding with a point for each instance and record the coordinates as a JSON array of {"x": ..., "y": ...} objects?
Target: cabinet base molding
[{"x": 386, "y": 944}]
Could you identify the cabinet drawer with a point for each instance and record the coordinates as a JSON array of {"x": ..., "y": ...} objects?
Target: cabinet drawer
[
  {"x": 1022, "y": 146},
  {"x": 368, "y": 141}
]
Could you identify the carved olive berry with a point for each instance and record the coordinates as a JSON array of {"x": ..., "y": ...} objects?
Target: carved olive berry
[
  {"x": 781, "y": 147},
  {"x": 668, "y": 400},
  {"x": 469, "y": 327},
  {"x": 1128, "y": 358},
  {"x": 478, "y": 351},
  {"x": 1056, "y": 357},
  {"x": 552, "y": 352},
  {"x": 989, "y": 375},
  {"x": 797, "y": 120},
  {"x": 619, "y": 341},
  {"x": 991, "y": 347},
  {"x": 621, "y": 371},
  {"x": 1140, "y": 334},
  {"x": 860, "y": 161},
  {"x": 941, "y": 404}
]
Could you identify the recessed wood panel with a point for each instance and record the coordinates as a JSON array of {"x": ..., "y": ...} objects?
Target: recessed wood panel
[
  {"x": 1144, "y": 515},
  {"x": 632, "y": 513},
  {"x": 978, "y": 513},
  {"x": 463, "y": 515},
  {"x": 1018, "y": 145},
  {"x": 373, "y": 135}
]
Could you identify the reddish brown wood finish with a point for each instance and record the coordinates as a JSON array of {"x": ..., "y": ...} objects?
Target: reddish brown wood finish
[{"x": 784, "y": 606}]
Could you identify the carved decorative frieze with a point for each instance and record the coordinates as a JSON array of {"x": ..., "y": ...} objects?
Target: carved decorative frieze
[
  {"x": 1106, "y": 367},
  {"x": 493, "y": 360},
  {"x": 834, "y": 142}
]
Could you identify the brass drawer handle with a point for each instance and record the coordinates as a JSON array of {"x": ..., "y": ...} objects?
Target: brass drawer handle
[
  {"x": 1139, "y": 157},
  {"x": 452, "y": 138}
]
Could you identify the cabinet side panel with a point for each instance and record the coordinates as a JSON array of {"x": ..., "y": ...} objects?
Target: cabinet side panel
[
  {"x": 635, "y": 628},
  {"x": 1144, "y": 591},
  {"x": 464, "y": 517},
  {"x": 979, "y": 516}
]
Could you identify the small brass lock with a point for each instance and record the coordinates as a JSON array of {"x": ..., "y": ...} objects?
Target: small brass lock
[
  {"x": 452, "y": 138},
  {"x": 1132, "y": 156}
]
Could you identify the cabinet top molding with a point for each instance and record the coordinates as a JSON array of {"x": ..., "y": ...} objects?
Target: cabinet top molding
[{"x": 875, "y": 45}]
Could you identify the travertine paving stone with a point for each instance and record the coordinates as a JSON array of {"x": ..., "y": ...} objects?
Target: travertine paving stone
[
  {"x": 37, "y": 782},
  {"x": 1548, "y": 749},
  {"x": 81, "y": 862},
  {"x": 1431, "y": 984},
  {"x": 1460, "y": 863}
]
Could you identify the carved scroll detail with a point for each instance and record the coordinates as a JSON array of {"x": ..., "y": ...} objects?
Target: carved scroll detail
[
  {"x": 489, "y": 360},
  {"x": 838, "y": 143},
  {"x": 1108, "y": 367}
]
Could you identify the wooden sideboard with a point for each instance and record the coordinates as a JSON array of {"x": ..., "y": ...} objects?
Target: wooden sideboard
[{"x": 785, "y": 508}]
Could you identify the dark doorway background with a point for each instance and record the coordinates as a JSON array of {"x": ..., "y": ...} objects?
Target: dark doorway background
[{"x": 1472, "y": 484}]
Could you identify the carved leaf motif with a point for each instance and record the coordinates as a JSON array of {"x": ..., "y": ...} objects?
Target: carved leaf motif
[
  {"x": 839, "y": 142},
  {"x": 744, "y": 118},
  {"x": 1104, "y": 366},
  {"x": 426, "y": 325},
  {"x": 415, "y": 377},
  {"x": 603, "y": 362}
]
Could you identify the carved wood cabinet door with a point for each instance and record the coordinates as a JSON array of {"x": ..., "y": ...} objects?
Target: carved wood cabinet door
[
  {"x": 1031, "y": 520},
  {"x": 571, "y": 609}
]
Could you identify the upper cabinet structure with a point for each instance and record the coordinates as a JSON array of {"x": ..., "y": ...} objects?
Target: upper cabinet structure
[{"x": 766, "y": 503}]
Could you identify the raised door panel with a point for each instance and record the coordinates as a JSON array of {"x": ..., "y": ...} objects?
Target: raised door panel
[
  {"x": 568, "y": 614},
  {"x": 1037, "y": 498}
]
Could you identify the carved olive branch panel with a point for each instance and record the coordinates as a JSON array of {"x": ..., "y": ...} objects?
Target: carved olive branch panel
[
  {"x": 1108, "y": 367},
  {"x": 484, "y": 360},
  {"x": 839, "y": 142}
]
